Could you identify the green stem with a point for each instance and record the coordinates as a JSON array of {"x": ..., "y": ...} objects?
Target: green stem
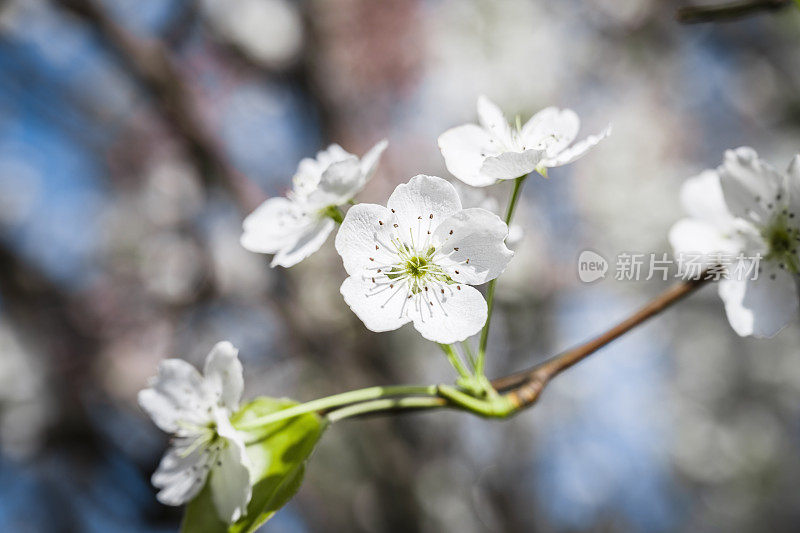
[
  {"x": 455, "y": 360},
  {"x": 494, "y": 406},
  {"x": 468, "y": 350},
  {"x": 386, "y": 404},
  {"x": 334, "y": 212},
  {"x": 345, "y": 398},
  {"x": 512, "y": 203}
]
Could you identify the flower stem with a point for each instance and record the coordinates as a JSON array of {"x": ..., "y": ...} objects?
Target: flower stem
[
  {"x": 337, "y": 400},
  {"x": 455, "y": 360},
  {"x": 385, "y": 404},
  {"x": 470, "y": 355},
  {"x": 512, "y": 203},
  {"x": 334, "y": 212}
]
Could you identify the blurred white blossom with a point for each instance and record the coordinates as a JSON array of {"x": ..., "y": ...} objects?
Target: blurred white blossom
[
  {"x": 295, "y": 227},
  {"x": 268, "y": 31},
  {"x": 479, "y": 155},
  {"x": 746, "y": 206}
]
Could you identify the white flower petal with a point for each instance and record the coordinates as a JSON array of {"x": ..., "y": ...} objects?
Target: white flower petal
[
  {"x": 423, "y": 203},
  {"x": 511, "y": 165},
  {"x": 793, "y": 187},
  {"x": 568, "y": 155},
  {"x": 750, "y": 185},
  {"x": 310, "y": 171},
  {"x": 338, "y": 184},
  {"x": 332, "y": 154},
  {"x": 492, "y": 119},
  {"x": 224, "y": 375},
  {"x": 382, "y": 309},
  {"x": 552, "y": 128},
  {"x": 176, "y": 394},
  {"x": 307, "y": 177},
  {"x": 231, "y": 488},
  {"x": 760, "y": 307},
  {"x": 306, "y": 243},
  {"x": 702, "y": 198},
  {"x": 273, "y": 225},
  {"x": 451, "y": 317},
  {"x": 364, "y": 237},
  {"x": 693, "y": 236},
  {"x": 369, "y": 161},
  {"x": 475, "y": 235},
  {"x": 464, "y": 148},
  {"x": 181, "y": 475}
]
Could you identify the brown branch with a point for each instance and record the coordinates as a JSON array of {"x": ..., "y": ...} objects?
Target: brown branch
[
  {"x": 523, "y": 388},
  {"x": 151, "y": 66},
  {"x": 728, "y": 11}
]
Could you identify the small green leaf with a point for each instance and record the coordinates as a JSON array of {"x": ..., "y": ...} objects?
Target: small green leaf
[{"x": 277, "y": 452}]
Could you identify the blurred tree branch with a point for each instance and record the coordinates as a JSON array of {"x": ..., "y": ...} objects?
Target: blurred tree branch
[
  {"x": 149, "y": 63},
  {"x": 47, "y": 316},
  {"x": 728, "y": 11}
]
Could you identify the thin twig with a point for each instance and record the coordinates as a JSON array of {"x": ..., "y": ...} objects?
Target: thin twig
[
  {"x": 523, "y": 388},
  {"x": 728, "y": 11}
]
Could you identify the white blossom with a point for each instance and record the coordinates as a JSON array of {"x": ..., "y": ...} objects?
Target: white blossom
[
  {"x": 747, "y": 208},
  {"x": 296, "y": 226},
  {"x": 479, "y": 155},
  {"x": 196, "y": 410},
  {"x": 417, "y": 259}
]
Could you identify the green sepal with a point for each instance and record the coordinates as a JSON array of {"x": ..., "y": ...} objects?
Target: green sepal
[{"x": 277, "y": 453}]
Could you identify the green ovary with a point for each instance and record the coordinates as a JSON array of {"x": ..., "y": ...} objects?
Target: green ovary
[
  {"x": 416, "y": 266},
  {"x": 782, "y": 241},
  {"x": 418, "y": 271}
]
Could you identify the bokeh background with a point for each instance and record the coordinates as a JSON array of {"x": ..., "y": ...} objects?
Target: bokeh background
[{"x": 136, "y": 134}]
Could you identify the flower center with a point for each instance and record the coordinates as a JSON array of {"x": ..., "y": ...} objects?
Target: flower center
[
  {"x": 416, "y": 266},
  {"x": 417, "y": 270},
  {"x": 781, "y": 239},
  {"x": 333, "y": 212}
]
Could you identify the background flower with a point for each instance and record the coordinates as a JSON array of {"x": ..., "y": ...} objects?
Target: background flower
[
  {"x": 295, "y": 227},
  {"x": 747, "y": 207},
  {"x": 495, "y": 150}
]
